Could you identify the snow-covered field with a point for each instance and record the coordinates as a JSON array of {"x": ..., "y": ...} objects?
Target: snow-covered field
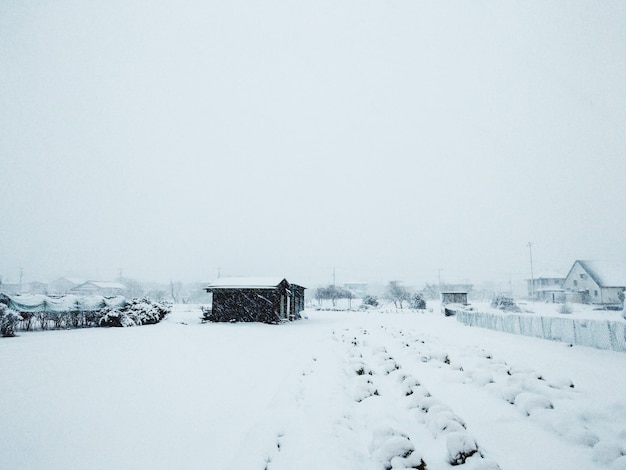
[{"x": 338, "y": 390}]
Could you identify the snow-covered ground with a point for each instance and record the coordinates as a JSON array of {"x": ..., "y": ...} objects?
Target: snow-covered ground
[{"x": 338, "y": 390}]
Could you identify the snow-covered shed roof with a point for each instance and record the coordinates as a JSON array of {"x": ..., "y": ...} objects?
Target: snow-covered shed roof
[
  {"x": 605, "y": 274},
  {"x": 246, "y": 282}
]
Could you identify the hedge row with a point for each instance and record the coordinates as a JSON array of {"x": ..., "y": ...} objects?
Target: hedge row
[{"x": 134, "y": 312}]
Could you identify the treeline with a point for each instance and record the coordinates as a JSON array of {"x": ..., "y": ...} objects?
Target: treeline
[
  {"x": 394, "y": 292},
  {"x": 333, "y": 293}
]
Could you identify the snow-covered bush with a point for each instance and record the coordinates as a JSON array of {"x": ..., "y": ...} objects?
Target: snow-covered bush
[
  {"x": 43, "y": 318},
  {"x": 461, "y": 446},
  {"x": 145, "y": 311},
  {"x": 565, "y": 308},
  {"x": 505, "y": 303},
  {"x": 370, "y": 300},
  {"x": 394, "y": 450},
  {"x": 114, "y": 317},
  {"x": 134, "y": 313},
  {"x": 8, "y": 321},
  {"x": 530, "y": 402},
  {"x": 207, "y": 314},
  {"x": 27, "y": 320},
  {"x": 417, "y": 302}
]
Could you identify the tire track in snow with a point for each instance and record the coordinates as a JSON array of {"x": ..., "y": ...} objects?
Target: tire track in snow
[{"x": 309, "y": 425}]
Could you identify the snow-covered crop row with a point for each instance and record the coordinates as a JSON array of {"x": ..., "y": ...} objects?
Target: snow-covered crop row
[{"x": 418, "y": 430}]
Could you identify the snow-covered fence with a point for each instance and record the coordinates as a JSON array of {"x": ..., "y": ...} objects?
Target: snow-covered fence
[{"x": 594, "y": 333}]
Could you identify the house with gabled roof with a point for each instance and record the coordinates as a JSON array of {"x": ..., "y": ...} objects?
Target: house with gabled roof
[
  {"x": 255, "y": 299},
  {"x": 63, "y": 285},
  {"x": 104, "y": 288},
  {"x": 595, "y": 282}
]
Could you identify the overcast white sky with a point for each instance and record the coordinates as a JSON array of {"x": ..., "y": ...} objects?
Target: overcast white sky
[{"x": 389, "y": 139}]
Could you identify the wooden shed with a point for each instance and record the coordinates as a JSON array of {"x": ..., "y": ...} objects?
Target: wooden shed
[{"x": 245, "y": 299}]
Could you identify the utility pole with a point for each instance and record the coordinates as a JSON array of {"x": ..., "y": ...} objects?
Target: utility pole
[
  {"x": 334, "y": 276},
  {"x": 532, "y": 277}
]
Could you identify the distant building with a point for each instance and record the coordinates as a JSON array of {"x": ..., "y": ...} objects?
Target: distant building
[
  {"x": 63, "y": 285},
  {"x": 359, "y": 289},
  {"x": 546, "y": 287},
  {"x": 10, "y": 288},
  {"x": 268, "y": 300},
  {"x": 595, "y": 282},
  {"x": 104, "y": 288},
  {"x": 36, "y": 287}
]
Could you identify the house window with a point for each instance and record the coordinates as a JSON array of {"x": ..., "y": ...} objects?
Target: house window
[
  {"x": 595, "y": 292},
  {"x": 583, "y": 276},
  {"x": 575, "y": 283}
]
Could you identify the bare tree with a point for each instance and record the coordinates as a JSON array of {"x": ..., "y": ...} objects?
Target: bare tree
[
  {"x": 431, "y": 291},
  {"x": 333, "y": 293},
  {"x": 175, "y": 288},
  {"x": 134, "y": 289},
  {"x": 397, "y": 293}
]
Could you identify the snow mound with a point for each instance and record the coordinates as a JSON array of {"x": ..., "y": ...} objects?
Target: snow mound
[{"x": 460, "y": 446}]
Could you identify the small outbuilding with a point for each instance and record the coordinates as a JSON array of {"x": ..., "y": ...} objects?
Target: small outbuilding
[
  {"x": 246, "y": 299},
  {"x": 449, "y": 299},
  {"x": 454, "y": 297}
]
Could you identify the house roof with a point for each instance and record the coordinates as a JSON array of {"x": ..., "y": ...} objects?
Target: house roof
[
  {"x": 104, "y": 285},
  {"x": 246, "y": 282},
  {"x": 605, "y": 274},
  {"x": 73, "y": 280},
  {"x": 549, "y": 275}
]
